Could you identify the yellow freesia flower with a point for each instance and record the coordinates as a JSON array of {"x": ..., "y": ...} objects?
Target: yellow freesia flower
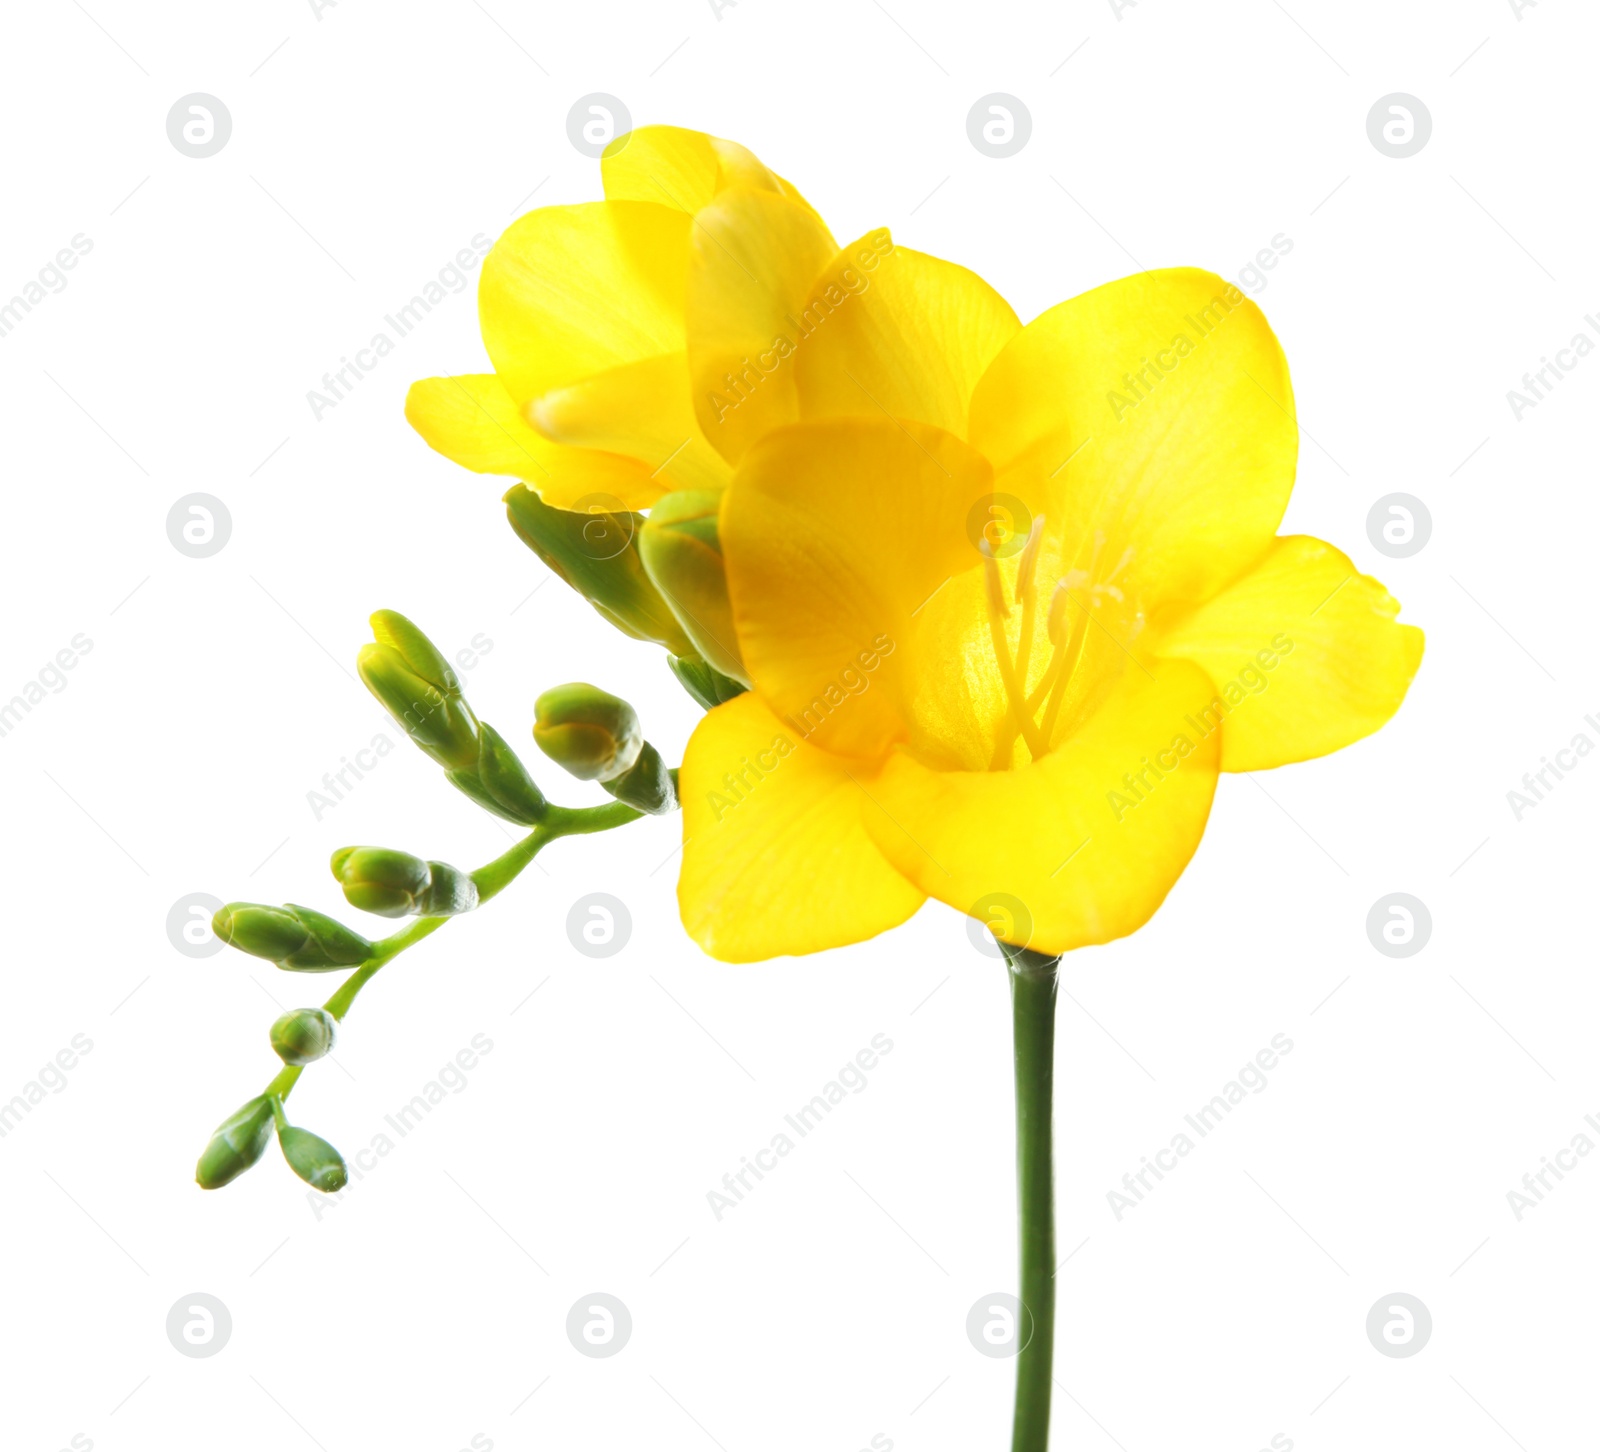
[
  {"x": 611, "y": 324},
  {"x": 1010, "y": 599}
]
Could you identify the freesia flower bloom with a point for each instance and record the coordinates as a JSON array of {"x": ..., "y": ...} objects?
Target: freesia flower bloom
[
  {"x": 609, "y": 324},
  {"x": 946, "y": 708},
  {"x": 1008, "y": 598}
]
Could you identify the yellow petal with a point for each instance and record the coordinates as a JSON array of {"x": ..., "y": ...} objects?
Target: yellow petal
[
  {"x": 1087, "y": 849},
  {"x": 886, "y": 330},
  {"x": 835, "y": 533},
  {"x": 673, "y": 167},
  {"x": 1305, "y": 654},
  {"x": 640, "y": 409},
  {"x": 667, "y": 165},
  {"x": 753, "y": 258},
  {"x": 1152, "y": 421},
  {"x": 568, "y": 292},
  {"x": 775, "y": 857},
  {"x": 471, "y": 420}
]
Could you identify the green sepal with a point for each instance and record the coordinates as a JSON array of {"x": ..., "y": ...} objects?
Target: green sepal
[
  {"x": 1027, "y": 961},
  {"x": 330, "y": 946},
  {"x": 502, "y": 773},
  {"x": 704, "y": 682},
  {"x": 597, "y": 554},
  {"x": 681, "y": 549},
  {"x": 450, "y": 892},
  {"x": 650, "y": 787}
]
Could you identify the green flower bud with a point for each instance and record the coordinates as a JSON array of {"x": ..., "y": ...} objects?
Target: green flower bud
[
  {"x": 415, "y": 684},
  {"x": 240, "y": 1140},
  {"x": 649, "y": 787},
  {"x": 709, "y": 687},
  {"x": 395, "y": 884},
  {"x": 591, "y": 733},
  {"x": 292, "y": 937},
  {"x": 682, "y": 555},
  {"x": 443, "y": 726},
  {"x": 303, "y": 1035},
  {"x": 390, "y": 628},
  {"x": 381, "y": 881},
  {"x": 316, "y": 1161},
  {"x": 597, "y": 554}
]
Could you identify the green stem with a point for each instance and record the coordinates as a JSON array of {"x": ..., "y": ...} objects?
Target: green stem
[
  {"x": 489, "y": 879},
  {"x": 1033, "y": 1025}
]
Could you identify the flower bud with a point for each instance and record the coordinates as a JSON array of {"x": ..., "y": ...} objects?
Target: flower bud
[
  {"x": 597, "y": 554},
  {"x": 406, "y": 672},
  {"x": 395, "y": 884},
  {"x": 240, "y": 1140},
  {"x": 682, "y": 554},
  {"x": 316, "y": 1161},
  {"x": 415, "y": 684},
  {"x": 422, "y": 657},
  {"x": 590, "y": 732},
  {"x": 649, "y": 787},
  {"x": 709, "y": 687},
  {"x": 292, "y": 937},
  {"x": 303, "y": 1035}
]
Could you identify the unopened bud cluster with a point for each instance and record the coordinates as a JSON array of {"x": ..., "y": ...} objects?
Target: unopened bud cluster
[
  {"x": 416, "y": 685},
  {"x": 591, "y": 733}
]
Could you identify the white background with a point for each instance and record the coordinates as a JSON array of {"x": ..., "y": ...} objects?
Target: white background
[{"x": 369, "y": 145}]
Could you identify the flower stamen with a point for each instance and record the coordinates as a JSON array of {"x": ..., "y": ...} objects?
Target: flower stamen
[
  {"x": 1028, "y": 594},
  {"x": 1017, "y": 713},
  {"x": 1069, "y": 650}
]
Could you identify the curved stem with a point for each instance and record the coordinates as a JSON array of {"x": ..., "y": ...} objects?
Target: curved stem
[
  {"x": 1033, "y": 1023},
  {"x": 490, "y": 879}
]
